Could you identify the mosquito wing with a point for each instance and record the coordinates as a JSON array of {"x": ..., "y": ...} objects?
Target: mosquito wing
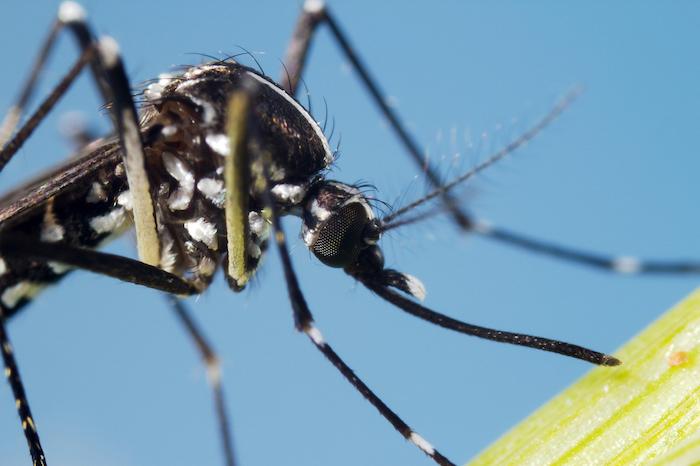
[{"x": 63, "y": 180}]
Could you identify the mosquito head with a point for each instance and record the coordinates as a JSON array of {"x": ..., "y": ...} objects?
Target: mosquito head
[
  {"x": 340, "y": 228},
  {"x": 338, "y": 223}
]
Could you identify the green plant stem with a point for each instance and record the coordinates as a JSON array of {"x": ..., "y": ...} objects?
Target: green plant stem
[{"x": 646, "y": 411}]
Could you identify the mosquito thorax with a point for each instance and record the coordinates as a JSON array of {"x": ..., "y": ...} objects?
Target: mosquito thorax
[
  {"x": 184, "y": 122},
  {"x": 338, "y": 223}
]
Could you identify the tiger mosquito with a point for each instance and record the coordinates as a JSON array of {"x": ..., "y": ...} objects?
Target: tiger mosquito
[{"x": 204, "y": 171}]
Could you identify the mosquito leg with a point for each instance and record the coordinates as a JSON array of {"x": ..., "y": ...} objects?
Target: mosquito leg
[
  {"x": 304, "y": 322},
  {"x": 625, "y": 265},
  {"x": 71, "y": 15},
  {"x": 113, "y": 83},
  {"x": 111, "y": 265},
  {"x": 312, "y": 15},
  {"x": 108, "y": 72},
  {"x": 315, "y": 13},
  {"x": 213, "y": 368},
  {"x": 25, "y": 413},
  {"x": 12, "y": 146},
  {"x": 237, "y": 179},
  {"x": 13, "y": 116},
  {"x": 303, "y": 319}
]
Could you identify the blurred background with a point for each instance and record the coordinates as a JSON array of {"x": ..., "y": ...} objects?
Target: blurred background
[{"x": 110, "y": 375}]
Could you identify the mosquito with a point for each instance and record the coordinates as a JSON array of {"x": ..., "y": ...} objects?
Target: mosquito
[{"x": 204, "y": 171}]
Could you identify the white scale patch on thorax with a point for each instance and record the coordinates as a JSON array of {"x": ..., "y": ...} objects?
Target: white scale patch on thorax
[
  {"x": 178, "y": 169},
  {"x": 258, "y": 225},
  {"x": 51, "y": 230},
  {"x": 219, "y": 143},
  {"x": 289, "y": 193},
  {"x": 213, "y": 190},
  {"x": 125, "y": 200},
  {"x": 203, "y": 231},
  {"x": 168, "y": 256},
  {"x": 109, "y": 222},
  {"x": 208, "y": 109}
]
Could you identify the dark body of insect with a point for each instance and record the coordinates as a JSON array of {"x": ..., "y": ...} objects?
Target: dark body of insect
[{"x": 185, "y": 142}]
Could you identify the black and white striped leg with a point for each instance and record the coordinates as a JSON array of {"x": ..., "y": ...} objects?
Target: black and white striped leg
[
  {"x": 303, "y": 319},
  {"x": 213, "y": 368},
  {"x": 126, "y": 120},
  {"x": 25, "y": 413},
  {"x": 305, "y": 323},
  {"x": 118, "y": 267},
  {"x": 108, "y": 71},
  {"x": 315, "y": 13},
  {"x": 624, "y": 265}
]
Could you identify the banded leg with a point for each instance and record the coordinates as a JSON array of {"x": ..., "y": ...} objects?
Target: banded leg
[
  {"x": 316, "y": 13},
  {"x": 304, "y": 322},
  {"x": 213, "y": 368},
  {"x": 303, "y": 319},
  {"x": 623, "y": 265},
  {"x": 108, "y": 72},
  {"x": 25, "y": 413}
]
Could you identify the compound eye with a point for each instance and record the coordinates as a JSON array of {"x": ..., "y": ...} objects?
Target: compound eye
[{"x": 341, "y": 237}]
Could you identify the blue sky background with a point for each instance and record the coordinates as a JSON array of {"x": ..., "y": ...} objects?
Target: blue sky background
[{"x": 111, "y": 377}]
